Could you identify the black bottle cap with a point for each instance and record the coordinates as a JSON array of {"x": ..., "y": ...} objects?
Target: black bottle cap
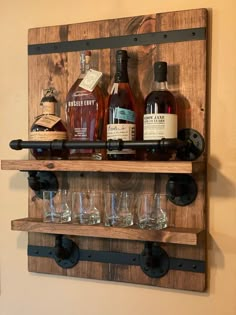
[
  {"x": 121, "y": 66},
  {"x": 160, "y": 71},
  {"x": 121, "y": 54}
]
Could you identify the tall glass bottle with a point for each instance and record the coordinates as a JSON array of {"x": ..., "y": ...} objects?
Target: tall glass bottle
[
  {"x": 121, "y": 110},
  {"x": 85, "y": 112},
  {"x": 48, "y": 127},
  {"x": 160, "y": 118}
]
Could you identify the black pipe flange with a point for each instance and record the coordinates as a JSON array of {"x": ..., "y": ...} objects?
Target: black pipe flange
[
  {"x": 194, "y": 144},
  {"x": 42, "y": 180},
  {"x": 66, "y": 252},
  {"x": 181, "y": 189},
  {"x": 154, "y": 260}
]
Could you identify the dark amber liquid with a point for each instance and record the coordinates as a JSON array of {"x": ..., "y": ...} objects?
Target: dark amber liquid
[
  {"x": 164, "y": 99},
  {"x": 47, "y": 154},
  {"x": 160, "y": 102},
  {"x": 124, "y": 99},
  {"x": 85, "y": 111}
]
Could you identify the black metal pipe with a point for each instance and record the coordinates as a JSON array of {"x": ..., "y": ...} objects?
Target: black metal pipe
[{"x": 162, "y": 144}]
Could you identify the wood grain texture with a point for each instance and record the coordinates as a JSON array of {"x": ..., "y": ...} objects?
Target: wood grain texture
[
  {"x": 182, "y": 236},
  {"x": 100, "y": 166},
  {"x": 187, "y": 78}
]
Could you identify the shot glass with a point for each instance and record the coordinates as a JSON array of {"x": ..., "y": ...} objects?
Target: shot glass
[
  {"x": 111, "y": 217},
  {"x": 57, "y": 206},
  {"x": 125, "y": 209},
  {"x": 160, "y": 211},
  {"x": 152, "y": 211},
  {"x": 146, "y": 217},
  {"x": 86, "y": 207}
]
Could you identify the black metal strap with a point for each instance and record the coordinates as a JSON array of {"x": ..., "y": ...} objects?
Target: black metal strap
[
  {"x": 119, "y": 41},
  {"x": 118, "y": 258}
]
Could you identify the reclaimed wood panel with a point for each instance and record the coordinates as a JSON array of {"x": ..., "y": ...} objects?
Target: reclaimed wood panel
[{"x": 187, "y": 77}]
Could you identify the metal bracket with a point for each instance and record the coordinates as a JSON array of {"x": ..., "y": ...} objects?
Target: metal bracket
[
  {"x": 153, "y": 260},
  {"x": 194, "y": 147},
  {"x": 42, "y": 180},
  {"x": 181, "y": 189},
  {"x": 119, "y": 41},
  {"x": 66, "y": 252}
]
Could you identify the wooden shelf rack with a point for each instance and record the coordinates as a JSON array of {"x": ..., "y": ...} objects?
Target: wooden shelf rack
[{"x": 180, "y": 39}]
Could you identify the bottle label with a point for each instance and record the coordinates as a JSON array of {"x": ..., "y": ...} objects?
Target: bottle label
[
  {"x": 48, "y": 121},
  {"x": 158, "y": 126},
  {"x": 47, "y": 135},
  {"x": 125, "y": 132},
  {"x": 48, "y": 108},
  {"x": 124, "y": 114},
  {"x": 81, "y": 102},
  {"x": 90, "y": 80},
  {"x": 80, "y": 134}
]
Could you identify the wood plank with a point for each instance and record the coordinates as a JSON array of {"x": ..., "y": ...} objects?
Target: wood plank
[
  {"x": 187, "y": 71},
  {"x": 169, "y": 235},
  {"x": 99, "y": 166}
]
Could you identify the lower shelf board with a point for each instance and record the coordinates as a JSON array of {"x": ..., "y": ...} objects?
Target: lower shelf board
[{"x": 183, "y": 236}]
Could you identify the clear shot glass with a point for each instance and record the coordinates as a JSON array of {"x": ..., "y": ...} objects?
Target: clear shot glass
[{"x": 57, "y": 206}]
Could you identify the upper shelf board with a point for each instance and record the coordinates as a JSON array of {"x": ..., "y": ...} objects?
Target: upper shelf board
[{"x": 182, "y": 167}]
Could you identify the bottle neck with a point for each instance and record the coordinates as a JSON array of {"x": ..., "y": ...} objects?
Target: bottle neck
[
  {"x": 48, "y": 108},
  {"x": 84, "y": 64},
  {"x": 161, "y": 86},
  {"x": 121, "y": 72}
]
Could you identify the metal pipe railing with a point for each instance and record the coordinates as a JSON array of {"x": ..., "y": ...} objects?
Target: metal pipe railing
[{"x": 163, "y": 144}]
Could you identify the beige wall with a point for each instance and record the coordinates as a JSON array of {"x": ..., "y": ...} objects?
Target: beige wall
[{"x": 35, "y": 294}]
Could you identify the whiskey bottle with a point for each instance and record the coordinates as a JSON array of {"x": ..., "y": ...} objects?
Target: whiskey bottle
[
  {"x": 160, "y": 118},
  {"x": 85, "y": 110},
  {"x": 121, "y": 122},
  {"x": 48, "y": 127}
]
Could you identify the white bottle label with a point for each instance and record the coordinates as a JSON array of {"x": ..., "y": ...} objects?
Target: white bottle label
[
  {"x": 47, "y": 135},
  {"x": 90, "y": 80},
  {"x": 126, "y": 132},
  {"x": 158, "y": 126}
]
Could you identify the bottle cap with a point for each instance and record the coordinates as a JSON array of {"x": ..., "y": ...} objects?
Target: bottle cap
[
  {"x": 49, "y": 96},
  {"x": 121, "y": 54},
  {"x": 121, "y": 74},
  {"x": 160, "y": 71}
]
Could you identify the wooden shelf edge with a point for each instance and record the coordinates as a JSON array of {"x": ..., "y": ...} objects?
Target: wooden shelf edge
[
  {"x": 99, "y": 166},
  {"x": 184, "y": 236}
]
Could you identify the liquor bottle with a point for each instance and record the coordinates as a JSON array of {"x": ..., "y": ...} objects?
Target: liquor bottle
[
  {"x": 48, "y": 127},
  {"x": 160, "y": 118},
  {"x": 121, "y": 122},
  {"x": 85, "y": 110}
]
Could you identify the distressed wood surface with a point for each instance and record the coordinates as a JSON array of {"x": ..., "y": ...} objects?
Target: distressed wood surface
[
  {"x": 184, "y": 236},
  {"x": 187, "y": 79},
  {"x": 101, "y": 166}
]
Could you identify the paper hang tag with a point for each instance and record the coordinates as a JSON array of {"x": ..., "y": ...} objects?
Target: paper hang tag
[
  {"x": 90, "y": 80},
  {"x": 48, "y": 121}
]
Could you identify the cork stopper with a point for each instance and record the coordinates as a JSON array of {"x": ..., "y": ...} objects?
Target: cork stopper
[{"x": 49, "y": 96}]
